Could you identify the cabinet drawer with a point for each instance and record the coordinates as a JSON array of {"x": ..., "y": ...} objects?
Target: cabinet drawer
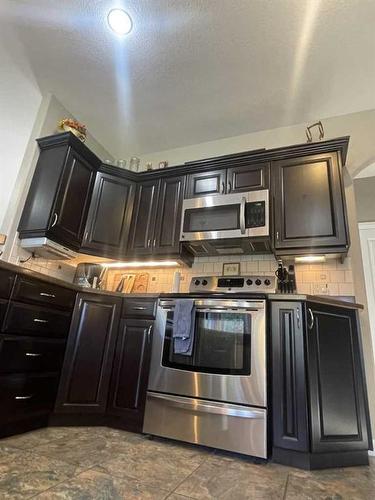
[
  {"x": 25, "y": 395},
  {"x": 27, "y": 354},
  {"x": 139, "y": 308},
  {"x": 40, "y": 292},
  {"x": 6, "y": 283},
  {"x": 25, "y": 319}
]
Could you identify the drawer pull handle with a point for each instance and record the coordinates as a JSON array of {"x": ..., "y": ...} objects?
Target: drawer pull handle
[
  {"x": 44, "y": 294},
  {"x": 139, "y": 308},
  {"x": 37, "y": 320},
  {"x": 24, "y": 397},
  {"x": 33, "y": 354}
]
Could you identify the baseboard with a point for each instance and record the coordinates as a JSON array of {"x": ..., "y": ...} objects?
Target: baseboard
[{"x": 372, "y": 452}]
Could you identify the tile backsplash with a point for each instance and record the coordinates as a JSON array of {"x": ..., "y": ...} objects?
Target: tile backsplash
[{"x": 328, "y": 278}]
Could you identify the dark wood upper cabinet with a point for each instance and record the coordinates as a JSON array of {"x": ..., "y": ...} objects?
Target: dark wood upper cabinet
[
  {"x": 309, "y": 205},
  {"x": 248, "y": 177},
  {"x": 206, "y": 183},
  {"x": 108, "y": 222},
  {"x": 289, "y": 400},
  {"x": 88, "y": 359},
  {"x": 141, "y": 240},
  {"x": 60, "y": 192},
  {"x": 337, "y": 383},
  {"x": 168, "y": 223},
  {"x": 130, "y": 373}
]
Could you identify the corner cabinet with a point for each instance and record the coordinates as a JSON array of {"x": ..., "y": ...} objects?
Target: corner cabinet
[
  {"x": 58, "y": 200},
  {"x": 157, "y": 213},
  {"x": 109, "y": 217},
  {"x": 88, "y": 359},
  {"x": 319, "y": 403},
  {"x": 309, "y": 205}
]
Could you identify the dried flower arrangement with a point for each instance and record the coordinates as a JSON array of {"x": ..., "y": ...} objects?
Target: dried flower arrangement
[{"x": 74, "y": 126}]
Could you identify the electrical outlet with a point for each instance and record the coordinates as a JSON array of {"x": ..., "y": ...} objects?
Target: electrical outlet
[{"x": 319, "y": 288}]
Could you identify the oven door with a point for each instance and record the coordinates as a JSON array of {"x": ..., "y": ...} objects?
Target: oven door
[
  {"x": 228, "y": 361},
  {"x": 213, "y": 217}
]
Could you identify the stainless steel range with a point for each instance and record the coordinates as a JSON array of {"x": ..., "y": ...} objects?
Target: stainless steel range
[{"x": 217, "y": 395}]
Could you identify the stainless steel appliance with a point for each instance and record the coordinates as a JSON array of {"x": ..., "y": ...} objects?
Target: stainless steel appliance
[
  {"x": 217, "y": 396},
  {"x": 226, "y": 224},
  {"x": 47, "y": 249}
]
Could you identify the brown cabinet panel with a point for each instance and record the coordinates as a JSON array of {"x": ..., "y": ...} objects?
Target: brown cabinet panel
[
  {"x": 6, "y": 283},
  {"x": 89, "y": 355},
  {"x": 289, "y": 398},
  {"x": 248, "y": 177},
  {"x": 130, "y": 372},
  {"x": 206, "y": 183},
  {"x": 144, "y": 216},
  {"x": 22, "y": 396},
  {"x": 30, "y": 354},
  {"x": 24, "y": 319},
  {"x": 309, "y": 203},
  {"x": 41, "y": 292},
  {"x": 168, "y": 223},
  {"x": 69, "y": 214},
  {"x": 109, "y": 217},
  {"x": 337, "y": 394}
]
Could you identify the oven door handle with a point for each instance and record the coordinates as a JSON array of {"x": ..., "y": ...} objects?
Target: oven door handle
[
  {"x": 242, "y": 215},
  {"x": 207, "y": 407}
]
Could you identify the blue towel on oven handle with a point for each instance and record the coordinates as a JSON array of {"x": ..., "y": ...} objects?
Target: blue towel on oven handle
[{"x": 183, "y": 327}]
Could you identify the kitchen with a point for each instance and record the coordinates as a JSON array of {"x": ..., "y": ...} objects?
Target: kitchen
[{"x": 213, "y": 298}]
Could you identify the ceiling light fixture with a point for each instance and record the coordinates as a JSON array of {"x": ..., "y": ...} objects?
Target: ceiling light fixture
[
  {"x": 150, "y": 263},
  {"x": 120, "y": 22}
]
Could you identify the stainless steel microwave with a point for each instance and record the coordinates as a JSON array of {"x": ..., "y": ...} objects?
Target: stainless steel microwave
[{"x": 238, "y": 215}]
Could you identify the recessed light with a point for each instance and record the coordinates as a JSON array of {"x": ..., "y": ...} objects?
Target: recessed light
[{"x": 120, "y": 22}]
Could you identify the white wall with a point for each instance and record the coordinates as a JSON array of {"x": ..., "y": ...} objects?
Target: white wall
[
  {"x": 359, "y": 126},
  {"x": 20, "y": 99}
]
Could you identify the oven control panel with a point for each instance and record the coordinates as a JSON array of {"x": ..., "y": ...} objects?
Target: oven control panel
[{"x": 232, "y": 284}]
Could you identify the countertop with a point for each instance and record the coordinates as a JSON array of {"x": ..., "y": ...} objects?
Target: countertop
[{"x": 347, "y": 303}]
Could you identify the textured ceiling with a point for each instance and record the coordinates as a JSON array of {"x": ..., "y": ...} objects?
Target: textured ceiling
[{"x": 198, "y": 70}]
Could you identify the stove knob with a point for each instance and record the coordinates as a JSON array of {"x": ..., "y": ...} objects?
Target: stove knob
[
  {"x": 204, "y": 282},
  {"x": 249, "y": 282},
  {"x": 267, "y": 282},
  {"x": 197, "y": 282},
  {"x": 258, "y": 282}
]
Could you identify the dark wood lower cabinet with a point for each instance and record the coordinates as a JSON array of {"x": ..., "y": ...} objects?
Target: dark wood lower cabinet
[
  {"x": 320, "y": 411},
  {"x": 87, "y": 366},
  {"x": 130, "y": 373}
]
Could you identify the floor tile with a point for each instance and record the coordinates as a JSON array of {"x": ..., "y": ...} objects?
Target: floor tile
[
  {"x": 24, "y": 474},
  {"x": 351, "y": 483},
  {"x": 158, "y": 463},
  {"x": 93, "y": 484},
  {"x": 228, "y": 478}
]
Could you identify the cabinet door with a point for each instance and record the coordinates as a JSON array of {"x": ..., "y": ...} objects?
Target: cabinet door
[
  {"x": 206, "y": 183},
  {"x": 309, "y": 202},
  {"x": 289, "y": 400},
  {"x": 144, "y": 217},
  {"x": 130, "y": 372},
  {"x": 89, "y": 355},
  {"x": 108, "y": 222},
  {"x": 168, "y": 224},
  {"x": 337, "y": 394},
  {"x": 68, "y": 217},
  {"x": 248, "y": 177}
]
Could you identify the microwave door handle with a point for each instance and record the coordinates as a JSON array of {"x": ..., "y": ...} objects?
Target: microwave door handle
[{"x": 242, "y": 215}]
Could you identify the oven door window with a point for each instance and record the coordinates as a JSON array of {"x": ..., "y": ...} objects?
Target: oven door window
[
  {"x": 222, "y": 343},
  {"x": 220, "y": 218}
]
